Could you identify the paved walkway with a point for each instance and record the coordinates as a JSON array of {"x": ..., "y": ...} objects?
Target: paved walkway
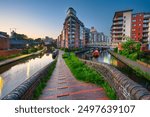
[
  {"x": 130, "y": 62},
  {"x": 63, "y": 86}
]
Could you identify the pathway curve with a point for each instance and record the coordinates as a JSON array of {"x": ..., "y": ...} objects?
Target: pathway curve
[{"x": 63, "y": 86}]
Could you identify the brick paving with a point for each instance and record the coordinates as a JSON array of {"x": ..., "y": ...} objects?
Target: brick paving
[
  {"x": 63, "y": 86},
  {"x": 130, "y": 62}
]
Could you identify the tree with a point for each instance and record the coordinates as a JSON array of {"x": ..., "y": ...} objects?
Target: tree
[{"x": 131, "y": 49}]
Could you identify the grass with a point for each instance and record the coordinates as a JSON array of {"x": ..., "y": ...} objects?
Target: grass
[
  {"x": 142, "y": 73},
  {"x": 43, "y": 82},
  {"x": 84, "y": 73},
  {"x": 139, "y": 72}
]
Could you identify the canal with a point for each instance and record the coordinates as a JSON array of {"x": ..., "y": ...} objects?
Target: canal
[
  {"x": 14, "y": 74},
  {"x": 106, "y": 57}
]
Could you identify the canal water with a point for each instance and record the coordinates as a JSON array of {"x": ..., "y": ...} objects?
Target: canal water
[
  {"x": 14, "y": 74},
  {"x": 106, "y": 57}
]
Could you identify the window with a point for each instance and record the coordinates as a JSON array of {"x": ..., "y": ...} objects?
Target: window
[
  {"x": 133, "y": 24},
  {"x": 134, "y": 15},
  {"x": 133, "y": 20}
]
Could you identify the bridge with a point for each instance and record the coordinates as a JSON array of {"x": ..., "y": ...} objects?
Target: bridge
[{"x": 101, "y": 45}]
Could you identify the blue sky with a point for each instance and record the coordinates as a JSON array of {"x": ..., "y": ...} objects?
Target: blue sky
[{"x": 40, "y": 18}]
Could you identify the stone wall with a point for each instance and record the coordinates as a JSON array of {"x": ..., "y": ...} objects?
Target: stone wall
[
  {"x": 26, "y": 89},
  {"x": 9, "y": 52},
  {"x": 125, "y": 88}
]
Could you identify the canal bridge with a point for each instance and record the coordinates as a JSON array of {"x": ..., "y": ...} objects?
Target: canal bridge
[{"x": 100, "y": 45}]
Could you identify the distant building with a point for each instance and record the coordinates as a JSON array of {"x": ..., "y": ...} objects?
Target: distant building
[
  {"x": 48, "y": 41},
  {"x": 4, "y": 41},
  {"x": 87, "y": 36},
  {"x": 21, "y": 41},
  {"x": 121, "y": 27},
  {"x": 97, "y": 37}
]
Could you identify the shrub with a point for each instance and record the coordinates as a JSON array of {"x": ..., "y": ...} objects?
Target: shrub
[{"x": 116, "y": 49}]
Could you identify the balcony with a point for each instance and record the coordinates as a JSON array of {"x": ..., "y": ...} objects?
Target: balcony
[
  {"x": 118, "y": 23},
  {"x": 145, "y": 36},
  {"x": 117, "y": 32},
  {"x": 147, "y": 16},
  {"x": 145, "y": 26},
  {"x": 116, "y": 36},
  {"x": 118, "y": 19},
  {"x": 120, "y": 27},
  {"x": 145, "y": 31},
  {"x": 146, "y": 21},
  {"x": 145, "y": 40}
]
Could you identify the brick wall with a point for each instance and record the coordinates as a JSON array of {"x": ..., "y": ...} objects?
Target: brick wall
[
  {"x": 125, "y": 88},
  {"x": 5, "y": 53},
  {"x": 4, "y": 43}
]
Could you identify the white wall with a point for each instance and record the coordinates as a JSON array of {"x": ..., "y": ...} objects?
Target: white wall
[
  {"x": 127, "y": 23},
  {"x": 149, "y": 35}
]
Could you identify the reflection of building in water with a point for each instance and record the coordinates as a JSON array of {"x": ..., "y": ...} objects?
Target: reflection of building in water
[
  {"x": 114, "y": 62},
  {"x": 117, "y": 63},
  {"x": 1, "y": 85},
  {"x": 28, "y": 69}
]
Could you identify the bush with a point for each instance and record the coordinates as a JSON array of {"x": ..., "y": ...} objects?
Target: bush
[
  {"x": 116, "y": 49},
  {"x": 65, "y": 55},
  {"x": 133, "y": 56}
]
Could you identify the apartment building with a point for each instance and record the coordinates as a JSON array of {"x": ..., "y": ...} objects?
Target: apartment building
[
  {"x": 121, "y": 27},
  {"x": 140, "y": 27},
  {"x": 97, "y": 37},
  {"x": 73, "y": 33},
  {"x": 146, "y": 29},
  {"x": 4, "y": 41},
  {"x": 136, "y": 26}
]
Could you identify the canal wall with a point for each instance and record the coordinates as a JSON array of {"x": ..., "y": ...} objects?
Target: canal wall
[
  {"x": 125, "y": 88},
  {"x": 26, "y": 89},
  {"x": 8, "y": 61},
  {"x": 4, "y": 53},
  {"x": 130, "y": 63}
]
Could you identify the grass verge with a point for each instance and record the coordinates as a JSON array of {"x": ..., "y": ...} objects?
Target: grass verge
[
  {"x": 9, "y": 57},
  {"x": 84, "y": 73},
  {"x": 42, "y": 84}
]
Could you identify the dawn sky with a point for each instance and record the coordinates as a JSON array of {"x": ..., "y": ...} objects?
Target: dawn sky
[{"x": 40, "y": 18}]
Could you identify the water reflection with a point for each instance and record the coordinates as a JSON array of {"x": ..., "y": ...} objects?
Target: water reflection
[
  {"x": 1, "y": 85},
  {"x": 105, "y": 57},
  {"x": 28, "y": 69},
  {"x": 17, "y": 74}
]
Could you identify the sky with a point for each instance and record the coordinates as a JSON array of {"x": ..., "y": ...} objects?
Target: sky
[{"x": 40, "y": 18}]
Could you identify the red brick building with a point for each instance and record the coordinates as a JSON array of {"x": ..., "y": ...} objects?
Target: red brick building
[
  {"x": 73, "y": 33},
  {"x": 4, "y": 41},
  {"x": 137, "y": 26}
]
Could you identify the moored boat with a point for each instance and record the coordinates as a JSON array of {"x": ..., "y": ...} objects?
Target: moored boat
[{"x": 96, "y": 53}]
